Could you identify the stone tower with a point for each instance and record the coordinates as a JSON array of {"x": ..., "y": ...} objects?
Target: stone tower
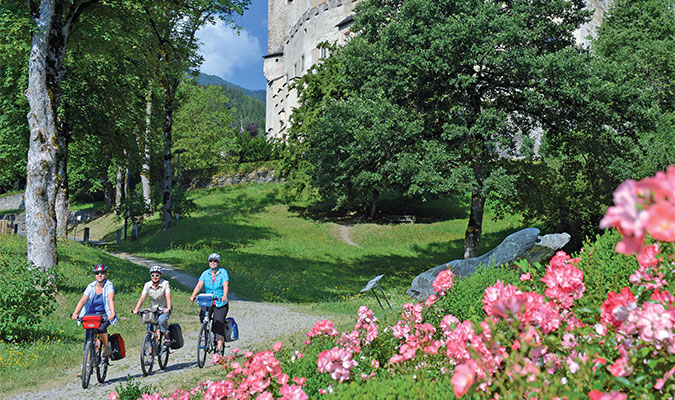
[{"x": 296, "y": 27}]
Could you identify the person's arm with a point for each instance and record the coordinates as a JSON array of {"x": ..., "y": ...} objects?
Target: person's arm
[
  {"x": 226, "y": 285},
  {"x": 79, "y": 306},
  {"x": 198, "y": 287},
  {"x": 111, "y": 302},
  {"x": 139, "y": 303},
  {"x": 168, "y": 302}
]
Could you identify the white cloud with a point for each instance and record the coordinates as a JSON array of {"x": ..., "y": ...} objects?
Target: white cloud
[{"x": 225, "y": 52}]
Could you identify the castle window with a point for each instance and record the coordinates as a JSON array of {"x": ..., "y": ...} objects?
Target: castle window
[{"x": 324, "y": 52}]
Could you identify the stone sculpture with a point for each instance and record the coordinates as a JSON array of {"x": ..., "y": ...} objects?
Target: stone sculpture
[{"x": 525, "y": 244}]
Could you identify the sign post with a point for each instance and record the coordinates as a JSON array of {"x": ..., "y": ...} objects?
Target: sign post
[{"x": 371, "y": 285}]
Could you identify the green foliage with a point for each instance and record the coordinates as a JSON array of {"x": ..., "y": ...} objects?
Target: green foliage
[
  {"x": 132, "y": 389},
  {"x": 404, "y": 387},
  {"x": 201, "y": 127},
  {"x": 133, "y": 208},
  {"x": 604, "y": 270},
  {"x": 465, "y": 300},
  {"x": 254, "y": 147},
  {"x": 26, "y": 297},
  {"x": 181, "y": 204}
]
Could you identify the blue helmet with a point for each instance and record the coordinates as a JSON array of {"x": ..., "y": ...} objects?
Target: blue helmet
[{"x": 101, "y": 267}]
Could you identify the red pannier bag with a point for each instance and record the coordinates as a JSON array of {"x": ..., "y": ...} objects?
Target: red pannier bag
[
  {"x": 91, "y": 321},
  {"x": 117, "y": 346}
]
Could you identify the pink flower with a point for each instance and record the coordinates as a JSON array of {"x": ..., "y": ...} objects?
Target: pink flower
[
  {"x": 564, "y": 281},
  {"x": 462, "y": 379},
  {"x": 277, "y": 346},
  {"x": 113, "y": 396},
  {"x": 430, "y": 300},
  {"x": 612, "y": 307},
  {"x": 525, "y": 277},
  {"x": 292, "y": 392},
  {"x": 265, "y": 396},
  {"x": 654, "y": 323},
  {"x": 337, "y": 362},
  {"x": 497, "y": 292},
  {"x": 621, "y": 368},
  {"x": 300, "y": 381},
  {"x": 648, "y": 256},
  {"x": 627, "y": 218},
  {"x": 661, "y": 222},
  {"x": 598, "y": 395},
  {"x": 443, "y": 281},
  {"x": 323, "y": 327}
]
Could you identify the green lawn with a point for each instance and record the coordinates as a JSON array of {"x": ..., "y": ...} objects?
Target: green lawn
[{"x": 274, "y": 252}]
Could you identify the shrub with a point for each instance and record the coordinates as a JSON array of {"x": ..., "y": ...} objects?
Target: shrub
[
  {"x": 26, "y": 297},
  {"x": 407, "y": 387},
  {"x": 604, "y": 269},
  {"x": 464, "y": 301},
  {"x": 132, "y": 390}
]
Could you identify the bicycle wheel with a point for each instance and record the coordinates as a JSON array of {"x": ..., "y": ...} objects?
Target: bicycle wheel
[
  {"x": 101, "y": 366},
  {"x": 87, "y": 363},
  {"x": 147, "y": 354},
  {"x": 202, "y": 345},
  {"x": 162, "y": 355}
]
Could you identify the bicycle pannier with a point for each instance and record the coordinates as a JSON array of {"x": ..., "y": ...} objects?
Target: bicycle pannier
[
  {"x": 91, "y": 321},
  {"x": 148, "y": 317},
  {"x": 231, "y": 330},
  {"x": 117, "y": 345},
  {"x": 176, "y": 336}
]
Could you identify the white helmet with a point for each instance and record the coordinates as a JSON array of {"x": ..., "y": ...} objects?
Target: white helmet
[
  {"x": 214, "y": 256},
  {"x": 156, "y": 268}
]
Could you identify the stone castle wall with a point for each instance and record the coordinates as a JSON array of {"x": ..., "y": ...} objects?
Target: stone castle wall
[{"x": 296, "y": 27}]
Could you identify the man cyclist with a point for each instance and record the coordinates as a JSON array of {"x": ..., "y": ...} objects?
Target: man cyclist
[
  {"x": 215, "y": 280},
  {"x": 159, "y": 291},
  {"x": 98, "y": 299}
]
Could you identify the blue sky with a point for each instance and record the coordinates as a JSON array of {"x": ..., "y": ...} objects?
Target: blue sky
[{"x": 237, "y": 58}]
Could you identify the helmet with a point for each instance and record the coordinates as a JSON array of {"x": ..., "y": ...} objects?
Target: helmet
[
  {"x": 156, "y": 268},
  {"x": 214, "y": 256},
  {"x": 100, "y": 267}
]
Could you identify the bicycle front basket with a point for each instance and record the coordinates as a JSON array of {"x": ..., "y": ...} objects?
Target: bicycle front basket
[
  {"x": 91, "y": 321},
  {"x": 148, "y": 317},
  {"x": 205, "y": 300}
]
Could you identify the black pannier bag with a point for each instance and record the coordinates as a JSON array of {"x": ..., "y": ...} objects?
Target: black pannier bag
[
  {"x": 117, "y": 347},
  {"x": 176, "y": 336}
]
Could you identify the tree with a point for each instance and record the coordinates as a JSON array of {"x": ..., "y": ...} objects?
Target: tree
[
  {"x": 470, "y": 72},
  {"x": 202, "y": 126},
  {"x": 174, "y": 26}
]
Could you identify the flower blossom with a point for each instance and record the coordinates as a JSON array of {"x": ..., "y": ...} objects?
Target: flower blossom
[
  {"x": 337, "y": 362},
  {"x": 323, "y": 327},
  {"x": 564, "y": 281},
  {"x": 443, "y": 282},
  {"x": 613, "y": 395},
  {"x": 462, "y": 379},
  {"x": 613, "y": 308}
]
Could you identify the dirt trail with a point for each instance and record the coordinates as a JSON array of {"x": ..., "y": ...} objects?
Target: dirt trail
[
  {"x": 345, "y": 236},
  {"x": 258, "y": 323}
]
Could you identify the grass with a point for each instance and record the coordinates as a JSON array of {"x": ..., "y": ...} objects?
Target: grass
[{"x": 275, "y": 253}]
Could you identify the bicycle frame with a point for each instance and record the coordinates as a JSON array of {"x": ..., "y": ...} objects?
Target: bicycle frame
[
  {"x": 91, "y": 356},
  {"x": 153, "y": 341}
]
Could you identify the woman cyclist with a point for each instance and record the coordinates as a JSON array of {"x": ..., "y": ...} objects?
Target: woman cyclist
[
  {"x": 98, "y": 299},
  {"x": 215, "y": 281},
  {"x": 160, "y": 298}
]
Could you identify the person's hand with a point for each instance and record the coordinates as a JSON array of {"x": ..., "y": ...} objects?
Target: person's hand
[
  {"x": 111, "y": 317},
  {"x": 73, "y": 316},
  {"x": 192, "y": 298},
  {"x": 223, "y": 299},
  {"x": 134, "y": 312},
  {"x": 166, "y": 311}
]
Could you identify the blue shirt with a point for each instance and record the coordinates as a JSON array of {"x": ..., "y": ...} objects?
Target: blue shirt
[
  {"x": 216, "y": 288},
  {"x": 90, "y": 291},
  {"x": 97, "y": 305}
]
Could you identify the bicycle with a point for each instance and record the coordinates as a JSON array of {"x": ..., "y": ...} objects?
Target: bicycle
[
  {"x": 206, "y": 342},
  {"x": 153, "y": 345},
  {"x": 91, "y": 357}
]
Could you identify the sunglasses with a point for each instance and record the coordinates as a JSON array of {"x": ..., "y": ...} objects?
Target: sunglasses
[
  {"x": 213, "y": 261},
  {"x": 155, "y": 275},
  {"x": 100, "y": 272}
]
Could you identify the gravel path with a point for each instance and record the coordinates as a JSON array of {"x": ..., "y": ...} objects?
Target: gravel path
[
  {"x": 345, "y": 236},
  {"x": 258, "y": 323}
]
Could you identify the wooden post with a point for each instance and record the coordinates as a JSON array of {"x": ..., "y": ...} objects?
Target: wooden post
[
  {"x": 5, "y": 227},
  {"x": 85, "y": 239},
  {"x": 16, "y": 229}
]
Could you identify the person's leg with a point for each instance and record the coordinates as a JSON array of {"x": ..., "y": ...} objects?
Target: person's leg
[
  {"x": 218, "y": 327},
  {"x": 163, "y": 322},
  {"x": 103, "y": 336}
]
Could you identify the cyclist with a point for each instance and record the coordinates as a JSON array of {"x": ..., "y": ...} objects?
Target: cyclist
[
  {"x": 160, "y": 298},
  {"x": 98, "y": 299},
  {"x": 215, "y": 281}
]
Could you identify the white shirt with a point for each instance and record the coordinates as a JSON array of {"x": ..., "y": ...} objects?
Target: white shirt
[{"x": 157, "y": 296}]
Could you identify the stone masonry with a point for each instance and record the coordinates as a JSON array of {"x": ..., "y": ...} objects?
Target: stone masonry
[{"x": 295, "y": 29}]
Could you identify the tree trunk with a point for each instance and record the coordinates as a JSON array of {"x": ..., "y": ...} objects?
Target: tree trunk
[
  {"x": 43, "y": 93},
  {"x": 108, "y": 195},
  {"x": 145, "y": 148},
  {"x": 118, "y": 188},
  {"x": 62, "y": 205},
  {"x": 474, "y": 228},
  {"x": 169, "y": 92},
  {"x": 373, "y": 204}
]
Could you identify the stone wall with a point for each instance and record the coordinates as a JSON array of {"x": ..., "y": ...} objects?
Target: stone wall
[
  {"x": 12, "y": 202},
  {"x": 236, "y": 179}
]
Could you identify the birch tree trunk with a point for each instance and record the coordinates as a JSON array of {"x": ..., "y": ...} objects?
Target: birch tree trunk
[
  {"x": 118, "y": 188},
  {"x": 43, "y": 95},
  {"x": 145, "y": 148},
  {"x": 170, "y": 86}
]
